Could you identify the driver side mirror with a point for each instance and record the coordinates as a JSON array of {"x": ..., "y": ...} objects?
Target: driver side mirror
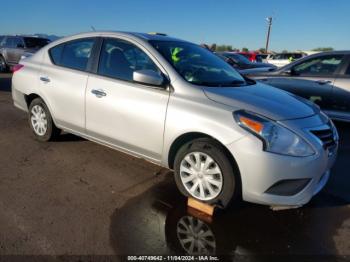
[{"x": 149, "y": 77}]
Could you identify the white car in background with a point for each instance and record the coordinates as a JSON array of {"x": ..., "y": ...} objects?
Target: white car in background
[{"x": 283, "y": 59}]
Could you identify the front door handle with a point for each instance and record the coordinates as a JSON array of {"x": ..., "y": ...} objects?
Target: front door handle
[
  {"x": 45, "y": 79},
  {"x": 323, "y": 82},
  {"x": 98, "y": 93}
]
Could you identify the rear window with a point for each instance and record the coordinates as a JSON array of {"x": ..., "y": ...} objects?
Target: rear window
[
  {"x": 34, "y": 42},
  {"x": 238, "y": 57}
]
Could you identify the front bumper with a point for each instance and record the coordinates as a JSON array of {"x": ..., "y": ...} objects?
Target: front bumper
[{"x": 261, "y": 170}]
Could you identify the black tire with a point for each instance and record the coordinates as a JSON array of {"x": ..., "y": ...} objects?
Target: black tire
[
  {"x": 3, "y": 65},
  {"x": 52, "y": 132},
  {"x": 230, "y": 174}
]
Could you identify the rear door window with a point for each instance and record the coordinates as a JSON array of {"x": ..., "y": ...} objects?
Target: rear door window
[{"x": 74, "y": 54}]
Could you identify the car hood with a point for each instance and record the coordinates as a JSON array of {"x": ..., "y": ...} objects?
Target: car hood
[
  {"x": 257, "y": 71},
  {"x": 264, "y": 100}
]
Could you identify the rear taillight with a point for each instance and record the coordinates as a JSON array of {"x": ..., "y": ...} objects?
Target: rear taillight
[{"x": 16, "y": 68}]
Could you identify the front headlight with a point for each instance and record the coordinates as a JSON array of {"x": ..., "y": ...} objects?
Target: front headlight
[{"x": 276, "y": 138}]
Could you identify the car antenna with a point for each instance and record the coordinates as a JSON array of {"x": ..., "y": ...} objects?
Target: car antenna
[{"x": 93, "y": 28}]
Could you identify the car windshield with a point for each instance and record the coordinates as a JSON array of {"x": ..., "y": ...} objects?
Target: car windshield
[
  {"x": 34, "y": 42},
  {"x": 197, "y": 65}
]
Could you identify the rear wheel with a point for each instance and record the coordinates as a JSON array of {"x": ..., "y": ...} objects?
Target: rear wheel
[
  {"x": 204, "y": 172},
  {"x": 3, "y": 65},
  {"x": 41, "y": 122}
]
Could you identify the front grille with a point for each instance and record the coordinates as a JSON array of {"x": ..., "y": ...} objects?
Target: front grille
[{"x": 326, "y": 136}]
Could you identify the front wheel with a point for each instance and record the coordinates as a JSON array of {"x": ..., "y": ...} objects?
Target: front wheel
[
  {"x": 41, "y": 122},
  {"x": 204, "y": 172}
]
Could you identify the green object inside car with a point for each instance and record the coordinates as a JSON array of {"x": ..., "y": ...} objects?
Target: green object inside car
[{"x": 175, "y": 54}]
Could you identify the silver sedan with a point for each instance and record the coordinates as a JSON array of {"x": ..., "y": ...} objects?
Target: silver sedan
[{"x": 180, "y": 106}]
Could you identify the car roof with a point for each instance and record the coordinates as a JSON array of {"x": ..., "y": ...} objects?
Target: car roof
[
  {"x": 155, "y": 36},
  {"x": 339, "y": 52},
  {"x": 346, "y": 52},
  {"x": 142, "y": 36}
]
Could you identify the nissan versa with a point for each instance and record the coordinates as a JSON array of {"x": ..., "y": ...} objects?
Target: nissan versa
[{"x": 180, "y": 106}]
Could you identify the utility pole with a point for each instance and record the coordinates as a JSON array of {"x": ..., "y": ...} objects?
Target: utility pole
[{"x": 269, "y": 23}]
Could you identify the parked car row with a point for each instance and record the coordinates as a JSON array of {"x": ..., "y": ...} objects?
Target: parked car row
[
  {"x": 323, "y": 78},
  {"x": 278, "y": 59},
  {"x": 240, "y": 62},
  {"x": 13, "y": 48},
  {"x": 266, "y": 62},
  {"x": 180, "y": 106}
]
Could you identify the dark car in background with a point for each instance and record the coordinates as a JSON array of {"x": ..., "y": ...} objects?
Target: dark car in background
[
  {"x": 12, "y": 48},
  {"x": 323, "y": 78},
  {"x": 251, "y": 55},
  {"x": 240, "y": 62}
]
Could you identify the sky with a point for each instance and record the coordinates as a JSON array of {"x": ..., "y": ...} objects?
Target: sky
[{"x": 297, "y": 24}]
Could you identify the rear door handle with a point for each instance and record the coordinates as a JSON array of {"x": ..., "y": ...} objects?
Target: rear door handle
[
  {"x": 44, "y": 79},
  {"x": 323, "y": 82},
  {"x": 98, "y": 93}
]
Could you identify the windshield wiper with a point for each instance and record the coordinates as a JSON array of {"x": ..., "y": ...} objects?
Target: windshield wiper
[
  {"x": 221, "y": 84},
  {"x": 233, "y": 83}
]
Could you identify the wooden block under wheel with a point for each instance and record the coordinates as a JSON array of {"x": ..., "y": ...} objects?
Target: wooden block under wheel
[{"x": 203, "y": 207}]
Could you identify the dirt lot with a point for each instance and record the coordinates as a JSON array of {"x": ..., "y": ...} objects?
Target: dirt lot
[{"x": 75, "y": 197}]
